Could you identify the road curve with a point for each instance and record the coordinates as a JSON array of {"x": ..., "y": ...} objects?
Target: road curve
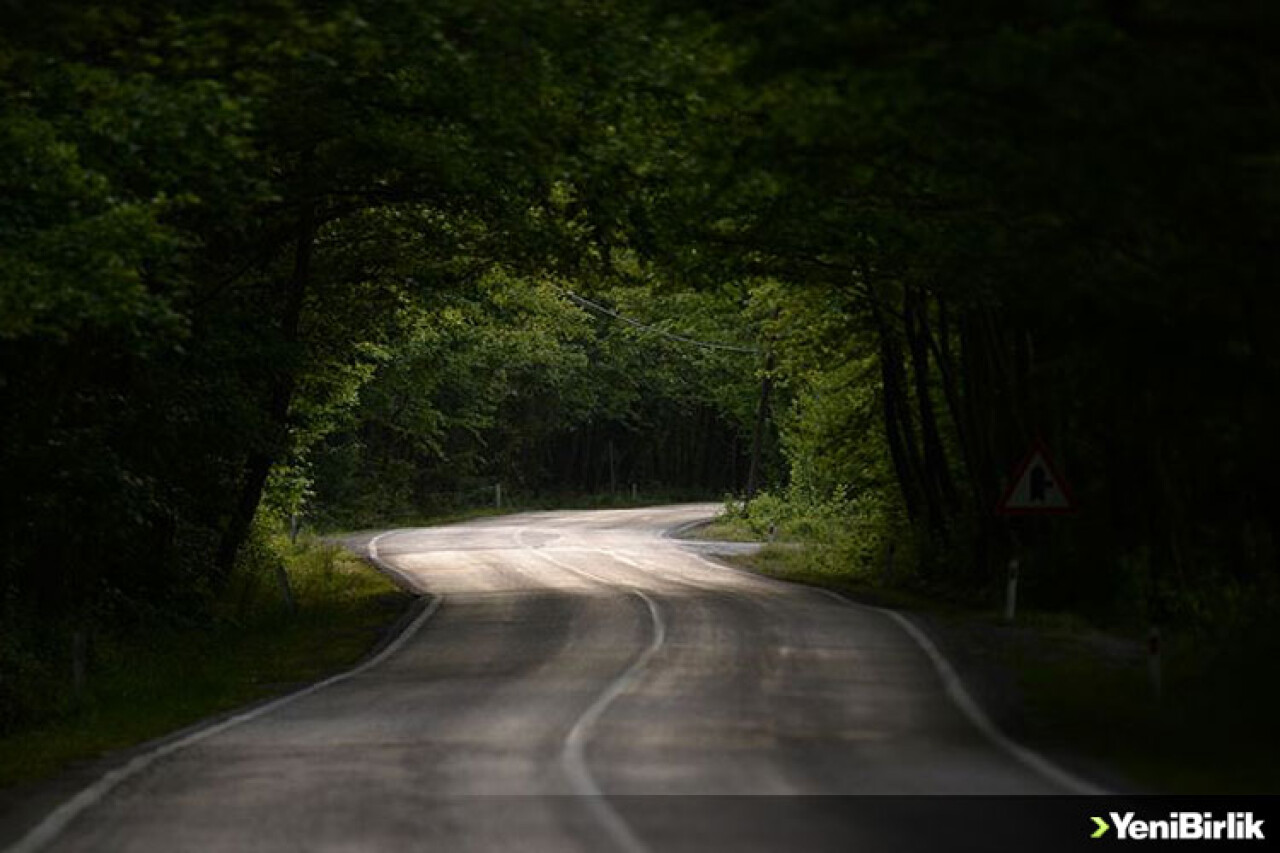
[{"x": 575, "y": 659}]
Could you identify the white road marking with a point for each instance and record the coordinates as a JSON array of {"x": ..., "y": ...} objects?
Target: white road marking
[
  {"x": 675, "y": 578},
  {"x": 969, "y": 707},
  {"x": 60, "y": 818},
  {"x": 374, "y": 557},
  {"x": 955, "y": 690},
  {"x": 573, "y": 757},
  {"x": 573, "y": 752}
]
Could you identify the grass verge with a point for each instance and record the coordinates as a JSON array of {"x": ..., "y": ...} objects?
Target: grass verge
[
  {"x": 724, "y": 529},
  {"x": 154, "y": 682}
]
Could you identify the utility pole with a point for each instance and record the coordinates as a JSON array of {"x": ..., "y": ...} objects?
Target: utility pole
[
  {"x": 613, "y": 473},
  {"x": 757, "y": 435}
]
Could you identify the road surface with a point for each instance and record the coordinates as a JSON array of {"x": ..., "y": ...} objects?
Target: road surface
[{"x": 575, "y": 664}]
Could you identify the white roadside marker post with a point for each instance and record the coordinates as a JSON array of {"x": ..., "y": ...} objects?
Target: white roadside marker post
[
  {"x": 1011, "y": 591},
  {"x": 497, "y": 495},
  {"x": 1154, "y": 673}
]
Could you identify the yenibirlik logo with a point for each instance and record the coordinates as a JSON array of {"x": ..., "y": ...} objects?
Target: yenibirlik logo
[{"x": 1183, "y": 826}]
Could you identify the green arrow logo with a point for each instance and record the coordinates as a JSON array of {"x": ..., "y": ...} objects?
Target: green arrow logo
[{"x": 1102, "y": 828}]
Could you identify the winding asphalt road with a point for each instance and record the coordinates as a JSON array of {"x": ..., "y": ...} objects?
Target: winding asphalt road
[{"x": 573, "y": 661}]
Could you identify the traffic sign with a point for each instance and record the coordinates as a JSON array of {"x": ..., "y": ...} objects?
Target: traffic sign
[{"x": 1037, "y": 487}]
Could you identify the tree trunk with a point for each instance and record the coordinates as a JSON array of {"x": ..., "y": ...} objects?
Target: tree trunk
[
  {"x": 971, "y": 408},
  {"x": 899, "y": 431},
  {"x": 283, "y": 384},
  {"x": 937, "y": 468},
  {"x": 959, "y": 407}
]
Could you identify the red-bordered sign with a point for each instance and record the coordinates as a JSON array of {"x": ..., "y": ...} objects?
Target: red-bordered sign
[{"x": 1037, "y": 488}]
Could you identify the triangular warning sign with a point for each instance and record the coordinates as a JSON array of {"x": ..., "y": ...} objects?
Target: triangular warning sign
[{"x": 1037, "y": 487}]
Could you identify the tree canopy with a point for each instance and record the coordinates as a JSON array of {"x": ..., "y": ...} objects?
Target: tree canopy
[{"x": 369, "y": 258}]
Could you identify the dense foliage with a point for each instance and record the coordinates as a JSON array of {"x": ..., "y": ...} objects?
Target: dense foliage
[
  {"x": 511, "y": 384},
  {"x": 280, "y": 256},
  {"x": 223, "y": 226},
  {"x": 995, "y": 222}
]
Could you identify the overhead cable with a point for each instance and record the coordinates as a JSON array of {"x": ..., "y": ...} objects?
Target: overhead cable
[{"x": 587, "y": 303}]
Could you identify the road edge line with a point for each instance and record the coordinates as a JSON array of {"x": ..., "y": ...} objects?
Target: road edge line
[
  {"x": 677, "y": 533},
  {"x": 963, "y": 700},
  {"x": 56, "y": 821},
  {"x": 403, "y": 580},
  {"x": 952, "y": 685}
]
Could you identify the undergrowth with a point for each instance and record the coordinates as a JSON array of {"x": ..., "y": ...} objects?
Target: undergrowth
[{"x": 148, "y": 672}]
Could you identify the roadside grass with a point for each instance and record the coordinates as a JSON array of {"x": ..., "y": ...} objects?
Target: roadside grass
[
  {"x": 1060, "y": 685},
  {"x": 1212, "y": 729},
  {"x": 726, "y": 528},
  {"x": 145, "y": 686},
  {"x": 416, "y": 520}
]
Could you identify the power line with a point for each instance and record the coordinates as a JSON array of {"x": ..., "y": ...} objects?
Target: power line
[{"x": 587, "y": 303}]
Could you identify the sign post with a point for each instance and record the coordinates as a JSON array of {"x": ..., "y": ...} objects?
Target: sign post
[{"x": 1037, "y": 488}]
